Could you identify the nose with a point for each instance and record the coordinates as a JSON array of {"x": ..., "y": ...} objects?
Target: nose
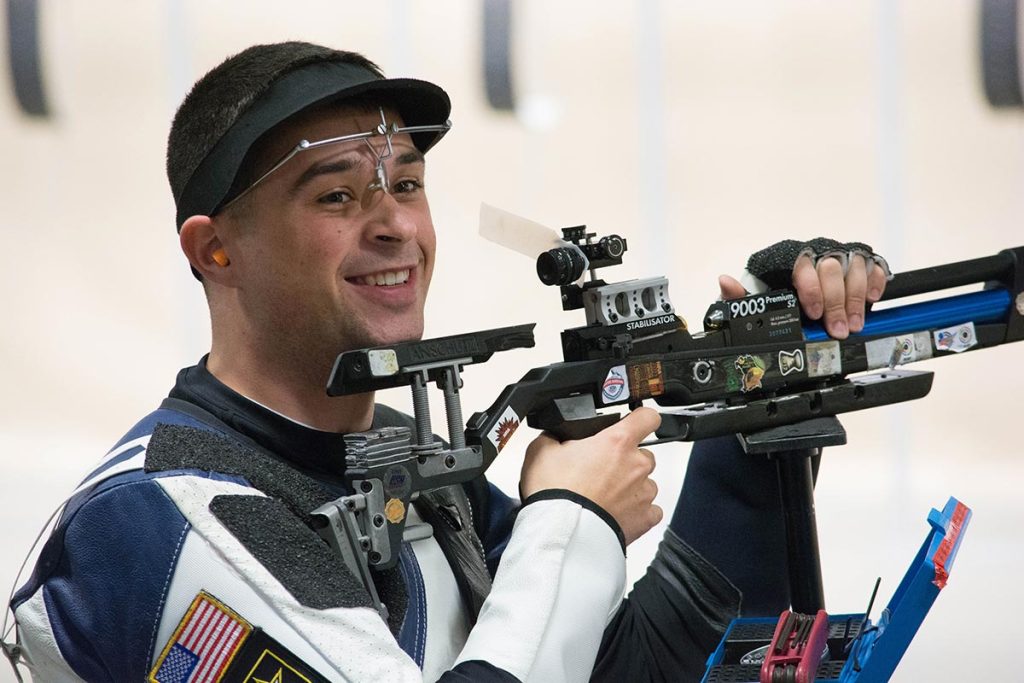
[{"x": 389, "y": 221}]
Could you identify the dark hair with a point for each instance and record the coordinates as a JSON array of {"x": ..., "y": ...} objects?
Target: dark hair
[{"x": 219, "y": 98}]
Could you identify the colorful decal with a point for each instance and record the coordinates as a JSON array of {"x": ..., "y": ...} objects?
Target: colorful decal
[
  {"x": 394, "y": 510},
  {"x": 504, "y": 429},
  {"x": 645, "y": 380},
  {"x": 791, "y": 361},
  {"x": 956, "y": 339},
  {"x": 824, "y": 359},
  {"x": 191, "y": 655},
  {"x": 903, "y": 348},
  {"x": 753, "y": 369},
  {"x": 615, "y": 387}
]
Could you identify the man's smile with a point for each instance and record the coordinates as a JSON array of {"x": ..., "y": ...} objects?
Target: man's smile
[{"x": 383, "y": 278}]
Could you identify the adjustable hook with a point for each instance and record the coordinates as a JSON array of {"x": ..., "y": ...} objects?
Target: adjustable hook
[{"x": 387, "y": 130}]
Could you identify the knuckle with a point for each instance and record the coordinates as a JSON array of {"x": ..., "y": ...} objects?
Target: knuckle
[
  {"x": 656, "y": 515},
  {"x": 835, "y": 308},
  {"x": 806, "y": 280},
  {"x": 830, "y": 267},
  {"x": 855, "y": 302}
]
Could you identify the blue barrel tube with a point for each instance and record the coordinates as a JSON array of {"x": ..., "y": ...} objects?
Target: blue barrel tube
[{"x": 988, "y": 306}]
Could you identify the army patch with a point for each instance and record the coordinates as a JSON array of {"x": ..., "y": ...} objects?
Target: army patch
[{"x": 264, "y": 660}]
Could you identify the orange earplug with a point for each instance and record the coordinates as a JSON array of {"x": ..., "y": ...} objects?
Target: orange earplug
[{"x": 221, "y": 257}]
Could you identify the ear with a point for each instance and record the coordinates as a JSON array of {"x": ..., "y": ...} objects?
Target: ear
[{"x": 204, "y": 250}]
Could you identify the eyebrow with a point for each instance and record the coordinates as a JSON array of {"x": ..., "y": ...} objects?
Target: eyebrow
[
  {"x": 316, "y": 170},
  {"x": 412, "y": 156}
]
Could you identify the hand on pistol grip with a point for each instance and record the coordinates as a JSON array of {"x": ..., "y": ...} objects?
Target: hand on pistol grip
[{"x": 609, "y": 468}]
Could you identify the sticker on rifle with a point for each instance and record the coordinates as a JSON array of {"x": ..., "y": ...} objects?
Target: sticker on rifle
[
  {"x": 615, "y": 387},
  {"x": 791, "y": 361},
  {"x": 823, "y": 359},
  {"x": 956, "y": 339},
  {"x": 645, "y": 380},
  {"x": 383, "y": 362},
  {"x": 397, "y": 482},
  {"x": 503, "y": 431},
  {"x": 703, "y": 371},
  {"x": 752, "y": 369},
  {"x": 893, "y": 351}
]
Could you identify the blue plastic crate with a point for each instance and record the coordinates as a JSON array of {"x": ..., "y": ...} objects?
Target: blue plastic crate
[{"x": 858, "y": 649}]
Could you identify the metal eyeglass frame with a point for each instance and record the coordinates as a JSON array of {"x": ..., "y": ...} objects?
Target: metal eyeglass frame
[{"x": 385, "y": 129}]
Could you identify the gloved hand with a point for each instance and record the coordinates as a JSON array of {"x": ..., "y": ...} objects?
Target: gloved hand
[{"x": 831, "y": 279}]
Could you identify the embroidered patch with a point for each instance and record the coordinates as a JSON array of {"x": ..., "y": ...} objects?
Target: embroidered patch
[
  {"x": 272, "y": 669},
  {"x": 264, "y": 660},
  {"x": 203, "y": 645}
]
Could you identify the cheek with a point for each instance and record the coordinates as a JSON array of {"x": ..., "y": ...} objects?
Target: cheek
[
  {"x": 427, "y": 239},
  {"x": 429, "y": 253}
]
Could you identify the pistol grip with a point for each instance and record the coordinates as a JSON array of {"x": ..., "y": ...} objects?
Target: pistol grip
[{"x": 571, "y": 418}]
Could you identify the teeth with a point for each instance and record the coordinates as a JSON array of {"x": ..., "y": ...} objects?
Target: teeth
[{"x": 396, "y": 277}]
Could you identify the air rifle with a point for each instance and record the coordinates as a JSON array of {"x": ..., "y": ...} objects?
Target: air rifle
[{"x": 757, "y": 364}]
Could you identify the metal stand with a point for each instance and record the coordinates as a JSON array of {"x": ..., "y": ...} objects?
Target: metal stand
[{"x": 793, "y": 448}]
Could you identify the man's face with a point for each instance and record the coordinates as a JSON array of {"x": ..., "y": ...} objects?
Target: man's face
[{"x": 329, "y": 264}]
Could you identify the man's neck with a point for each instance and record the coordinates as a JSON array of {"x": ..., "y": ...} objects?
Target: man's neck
[{"x": 293, "y": 393}]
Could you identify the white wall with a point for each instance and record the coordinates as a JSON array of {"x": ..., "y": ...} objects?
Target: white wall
[{"x": 700, "y": 131}]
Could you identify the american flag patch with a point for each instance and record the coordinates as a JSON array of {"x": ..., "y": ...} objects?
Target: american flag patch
[{"x": 203, "y": 645}]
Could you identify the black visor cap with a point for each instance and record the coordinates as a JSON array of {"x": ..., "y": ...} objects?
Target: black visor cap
[{"x": 213, "y": 183}]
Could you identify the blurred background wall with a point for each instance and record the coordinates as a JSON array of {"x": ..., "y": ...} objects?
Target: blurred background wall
[{"x": 701, "y": 131}]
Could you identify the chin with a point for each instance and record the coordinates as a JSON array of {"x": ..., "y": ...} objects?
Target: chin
[{"x": 395, "y": 335}]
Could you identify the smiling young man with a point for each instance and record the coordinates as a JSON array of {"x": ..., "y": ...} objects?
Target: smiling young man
[
  {"x": 316, "y": 258},
  {"x": 189, "y": 554}
]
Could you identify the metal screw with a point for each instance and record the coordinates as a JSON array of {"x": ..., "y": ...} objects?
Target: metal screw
[
  {"x": 449, "y": 461},
  {"x": 378, "y": 521},
  {"x": 614, "y": 317}
]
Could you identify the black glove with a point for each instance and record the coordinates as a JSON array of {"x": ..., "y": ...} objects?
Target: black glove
[{"x": 773, "y": 265}]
